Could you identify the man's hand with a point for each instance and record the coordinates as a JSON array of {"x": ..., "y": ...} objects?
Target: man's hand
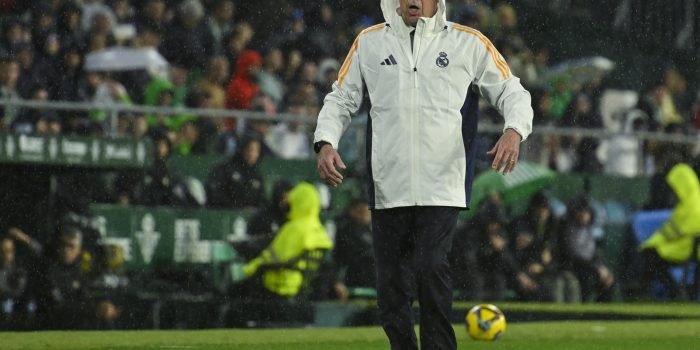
[
  {"x": 327, "y": 159},
  {"x": 506, "y": 151}
]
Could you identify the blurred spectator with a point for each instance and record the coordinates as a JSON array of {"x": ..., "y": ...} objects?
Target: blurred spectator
[
  {"x": 237, "y": 41},
  {"x": 188, "y": 42},
  {"x": 320, "y": 35},
  {"x": 160, "y": 184},
  {"x": 69, "y": 26},
  {"x": 109, "y": 288},
  {"x": 532, "y": 244},
  {"x": 580, "y": 253},
  {"x": 658, "y": 103},
  {"x": 9, "y": 74},
  {"x": 61, "y": 284},
  {"x": 236, "y": 182},
  {"x": 154, "y": 15},
  {"x": 290, "y": 140},
  {"x": 220, "y": 21},
  {"x": 354, "y": 250},
  {"x": 665, "y": 156},
  {"x": 580, "y": 114},
  {"x": 215, "y": 78},
  {"x": 68, "y": 85},
  {"x": 302, "y": 237},
  {"x": 270, "y": 80},
  {"x": 267, "y": 222},
  {"x": 97, "y": 16},
  {"x": 294, "y": 61},
  {"x": 13, "y": 283},
  {"x": 327, "y": 75},
  {"x": 623, "y": 154},
  {"x": 484, "y": 243},
  {"x": 675, "y": 242},
  {"x": 14, "y": 33},
  {"x": 32, "y": 120},
  {"x": 243, "y": 87}
]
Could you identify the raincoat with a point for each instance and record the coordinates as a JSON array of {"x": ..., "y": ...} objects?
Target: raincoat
[
  {"x": 302, "y": 233},
  {"x": 674, "y": 241},
  {"x": 242, "y": 87},
  {"x": 419, "y": 146}
]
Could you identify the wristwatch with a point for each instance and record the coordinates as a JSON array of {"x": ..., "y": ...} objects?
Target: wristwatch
[{"x": 318, "y": 145}]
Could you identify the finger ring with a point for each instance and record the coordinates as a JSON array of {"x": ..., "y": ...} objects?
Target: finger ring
[{"x": 512, "y": 160}]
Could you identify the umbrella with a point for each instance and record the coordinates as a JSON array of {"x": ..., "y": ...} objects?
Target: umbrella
[
  {"x": 523, "y": 182},
  {"x": 581, "y": 70},
  {"x": 124, "y": 59}
]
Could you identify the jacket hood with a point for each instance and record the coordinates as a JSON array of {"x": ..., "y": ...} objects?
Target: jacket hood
[
  {"x": 684, "y": 181},
  {"x": 304, "y": 202},
  {"x": 247, "y": 59},
  {"x": 434, "y": 24}
]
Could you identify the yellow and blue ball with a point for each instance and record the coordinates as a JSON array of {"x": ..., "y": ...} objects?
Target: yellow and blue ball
[{"x": 485, "y": 322}]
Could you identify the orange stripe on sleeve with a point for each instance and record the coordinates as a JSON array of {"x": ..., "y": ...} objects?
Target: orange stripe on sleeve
[
  {"x": 495, "y": 55},
  {"x": 345, "y": 68}
]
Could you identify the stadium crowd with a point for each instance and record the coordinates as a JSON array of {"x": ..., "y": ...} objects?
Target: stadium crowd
[{"x": 283, "y": 56}]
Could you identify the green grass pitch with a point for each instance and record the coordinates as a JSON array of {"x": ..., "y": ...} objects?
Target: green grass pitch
[{"x": 559, "y": 335}]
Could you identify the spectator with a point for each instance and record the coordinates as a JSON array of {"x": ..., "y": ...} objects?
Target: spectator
[
  {"x": 270, "y": 80},
  {"x": 61, "y": 284},
  {"x": 236, "y": 182},
  {"x": 303, "y": 234},
  {"x": 237, "y": 41},
  {"x": 9, "y": 75},
  {"x": 623, "y": 154},
  {"x": 674, "y": 242},
  {"x": 320, "y": 34},
  {"x": 580, "y": 114},
  {"x": 30, "y": 75},
  {"x": 220, "y": 21},
  {"x": 188, "y": 42},
  {"x": 495, "y": 263},
  {"x": 161, "y": 185},
  {"x": 266, "y": 223},
  {"x": 13, "y": 283},
  {"x": 69, "y": 29},
  {"x": 354, "y": 251},
  {"x": 109, "y": 287},
  {"x": 532, "y": 244},
  {"x": 243, "y": 87},
  {"x": 290, "y": 140},
  {"x": 215, "y": 77},
  {"x": 29, "y": 118},
  {"x": 580, "y": 254},
  {"x": 327, "y": 75},
  {"x": 154, "y": 15},
  {"x": 67, "y": 87}
]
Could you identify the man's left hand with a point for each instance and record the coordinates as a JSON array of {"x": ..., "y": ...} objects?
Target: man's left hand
[{"x": 506, "y": 151}]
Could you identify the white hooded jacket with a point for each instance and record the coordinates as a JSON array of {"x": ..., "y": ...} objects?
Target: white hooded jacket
[{"x": 419, "y": 145}]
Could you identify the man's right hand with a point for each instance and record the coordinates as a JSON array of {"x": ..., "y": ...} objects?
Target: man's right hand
[{"x": 327, "y": 159}]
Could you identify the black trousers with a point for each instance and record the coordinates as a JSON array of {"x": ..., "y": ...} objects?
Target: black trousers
[{"x": 411, "y": 245}]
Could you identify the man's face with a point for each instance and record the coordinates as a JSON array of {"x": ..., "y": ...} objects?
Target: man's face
[
  {"x": 252, "y": 153},
  {"x": 69, "y": 250},
  {"x": 412, "y": 10}
]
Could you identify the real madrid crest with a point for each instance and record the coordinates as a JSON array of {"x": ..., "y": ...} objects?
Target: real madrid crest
[{"x": 442, "y": 61}]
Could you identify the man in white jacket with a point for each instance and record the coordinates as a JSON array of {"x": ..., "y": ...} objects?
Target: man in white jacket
[{"x": 419, "y": 71}]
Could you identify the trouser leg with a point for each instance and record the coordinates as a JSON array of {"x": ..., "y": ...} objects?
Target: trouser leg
[
  {"x": 393, "y": 249},
  {"x": 434, "y": 232}
]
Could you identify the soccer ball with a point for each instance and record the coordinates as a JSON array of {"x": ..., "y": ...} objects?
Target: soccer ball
[{"x": 485, "y": 322}]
